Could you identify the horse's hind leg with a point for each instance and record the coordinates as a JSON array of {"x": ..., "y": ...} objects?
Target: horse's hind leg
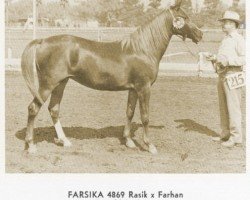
[
  {"x": 144, "y": 96},
  {"x": 132, "y": 99},
  {"x": 33, "y": 110},
  {"x": 54, "y": 107}
]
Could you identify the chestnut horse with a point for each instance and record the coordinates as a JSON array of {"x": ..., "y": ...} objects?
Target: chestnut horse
[{"x": 129, "y": 64}]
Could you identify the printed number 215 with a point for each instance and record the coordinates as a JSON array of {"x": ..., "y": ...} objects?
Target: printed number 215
[{"x": 237, "y": 80}]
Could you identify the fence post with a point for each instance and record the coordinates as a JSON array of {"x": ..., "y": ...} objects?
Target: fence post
[
  {"x": 9, "y": 53},
  {"x": 34, "y": 19},
  {"x": 99, "y": 35},
  {"x": 7, "y": 13}
]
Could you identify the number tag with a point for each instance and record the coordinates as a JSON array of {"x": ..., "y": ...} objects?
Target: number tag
[{"x": 236, "y": 80}]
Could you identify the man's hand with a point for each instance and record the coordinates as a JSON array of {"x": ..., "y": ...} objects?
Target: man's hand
[
  {"x": 222, "y": 60},
  {"x": 210, "y": 57}
]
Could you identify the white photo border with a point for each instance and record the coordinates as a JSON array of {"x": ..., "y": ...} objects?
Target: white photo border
[{"x": 56, "y": 186}]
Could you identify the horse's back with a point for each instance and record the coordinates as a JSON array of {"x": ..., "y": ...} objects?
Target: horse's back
[{"x": 98, "y": 65}]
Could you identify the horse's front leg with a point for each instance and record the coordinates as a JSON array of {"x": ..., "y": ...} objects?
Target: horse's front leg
[
  {"x": 132, "y": 99},
  {"x": 144, "y": 96},
  {"x": 54, "y": 108}
]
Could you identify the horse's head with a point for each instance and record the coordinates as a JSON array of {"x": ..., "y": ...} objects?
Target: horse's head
[{"x": 182, "y": 25}]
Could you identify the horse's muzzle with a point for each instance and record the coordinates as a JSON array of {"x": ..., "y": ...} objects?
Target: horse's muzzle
[{"x": 198, "y": 37}]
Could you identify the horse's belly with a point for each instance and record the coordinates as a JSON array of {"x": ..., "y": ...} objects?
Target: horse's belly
[
  {"x": 102, "y": 73},
  {"x": 104, "y": 80}
]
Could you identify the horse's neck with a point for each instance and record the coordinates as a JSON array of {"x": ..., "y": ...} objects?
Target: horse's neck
[{"x": 160, "y": 34}]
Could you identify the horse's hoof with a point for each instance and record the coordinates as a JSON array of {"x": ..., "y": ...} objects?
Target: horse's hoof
[
  {"x": 130, "y": 144},
  {"x": 67, "y": 143},
  {"x": 152, "y": 149},
  {"x": 32, "y": 149},
  {"x": 58, "y": 141}
]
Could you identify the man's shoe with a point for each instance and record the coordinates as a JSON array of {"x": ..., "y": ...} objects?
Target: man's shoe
[
  {"x": 228, "y": 144},
  {"x": 216, "y": 139},
  {"x": 219, "y": 139}
]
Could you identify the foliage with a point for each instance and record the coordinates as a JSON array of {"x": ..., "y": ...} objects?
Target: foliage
[{"x": 110, "y": 12}]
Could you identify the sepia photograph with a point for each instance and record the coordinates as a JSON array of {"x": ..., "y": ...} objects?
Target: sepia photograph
[{"x": 125, "y": 86}]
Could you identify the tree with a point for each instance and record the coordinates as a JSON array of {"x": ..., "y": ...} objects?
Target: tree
[
  {"x": 108, "y": 12},
  {"x": 131, "y": 12},
  {"x": 38, "y": 2},
  {"x": 19, "y": 10},
  {"x": 63, "y": 3},
  {"x": 155, "y": 3}
]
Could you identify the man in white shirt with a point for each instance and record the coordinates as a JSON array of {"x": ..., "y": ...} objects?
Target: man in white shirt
[{"x": 230, "y": 62}]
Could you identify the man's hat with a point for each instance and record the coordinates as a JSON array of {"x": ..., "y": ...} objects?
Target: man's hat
[{"x": 231, "y": 15}]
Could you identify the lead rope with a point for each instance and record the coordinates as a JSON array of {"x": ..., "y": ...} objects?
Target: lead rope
[{"x": 194, "y": 55}]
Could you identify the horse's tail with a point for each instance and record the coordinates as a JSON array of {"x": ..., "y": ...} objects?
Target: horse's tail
[{"x": 28, "y": 63}]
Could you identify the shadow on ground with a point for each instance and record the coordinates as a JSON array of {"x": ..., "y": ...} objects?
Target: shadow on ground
[
  {"x": 191, "y": 125},
  {"x": 48, "y": 133}
]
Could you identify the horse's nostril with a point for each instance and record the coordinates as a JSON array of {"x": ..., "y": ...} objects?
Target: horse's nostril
[{"x": 200, "y": 35}]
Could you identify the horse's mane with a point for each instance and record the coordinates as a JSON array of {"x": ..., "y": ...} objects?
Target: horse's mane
[{"x": 149, "y": 38}]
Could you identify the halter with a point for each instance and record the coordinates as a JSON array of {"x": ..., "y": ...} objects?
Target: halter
[{"x": 177, "y": 26}]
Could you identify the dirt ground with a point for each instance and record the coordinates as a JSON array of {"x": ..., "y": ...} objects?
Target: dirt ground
[{"x": 183, "y": 116}]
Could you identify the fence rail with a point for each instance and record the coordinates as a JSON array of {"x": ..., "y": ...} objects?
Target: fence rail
[
  {"x": 17, "y": 39},
  {"x": 178, "y": 59}
]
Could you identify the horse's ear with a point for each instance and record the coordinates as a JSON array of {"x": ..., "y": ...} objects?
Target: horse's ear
[
  {"x": 165, "y": 4},
  {"x": 176, "y": 5},
  {"x": 145, "y": 4}
]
